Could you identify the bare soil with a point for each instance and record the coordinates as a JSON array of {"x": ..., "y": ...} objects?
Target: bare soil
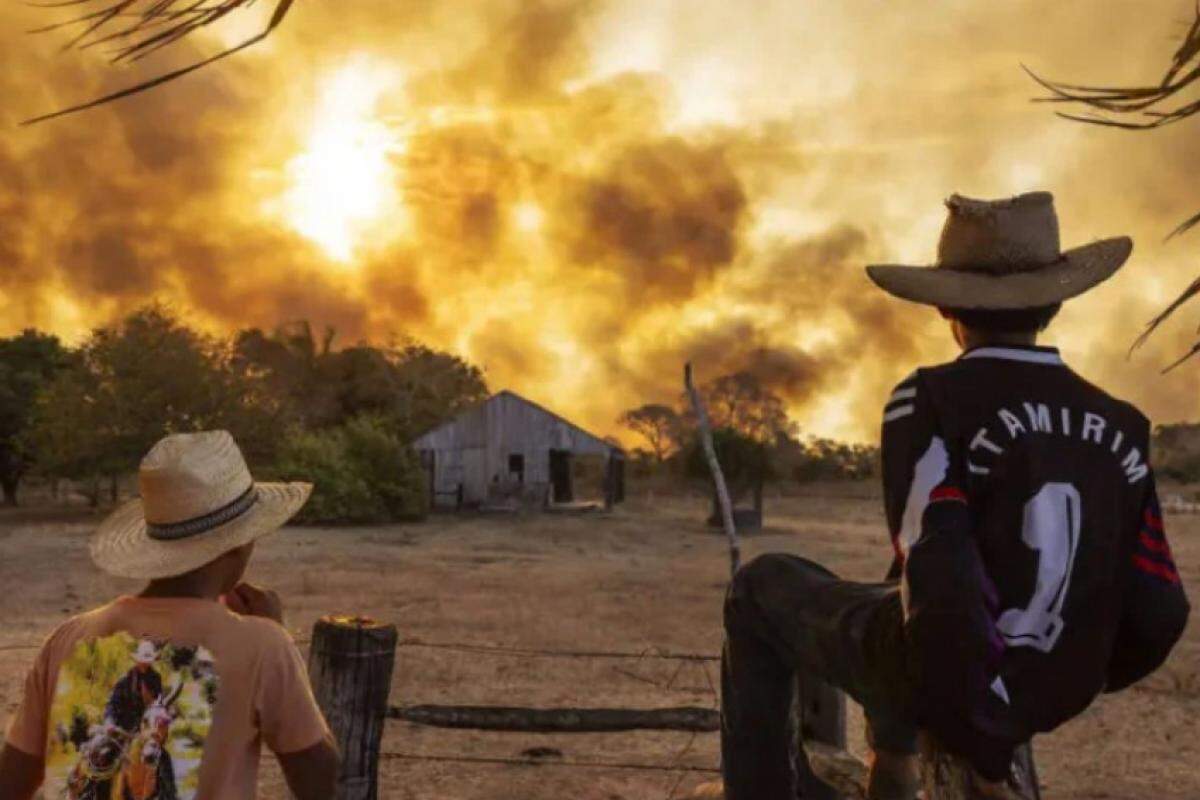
[{"x": 649, "y": 576}]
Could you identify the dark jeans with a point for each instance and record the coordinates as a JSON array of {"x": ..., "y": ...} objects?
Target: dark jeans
[{"x": 783, "y": 614}]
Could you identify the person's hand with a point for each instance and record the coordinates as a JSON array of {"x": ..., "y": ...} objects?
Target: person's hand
[{"x": 255, "y": 601}]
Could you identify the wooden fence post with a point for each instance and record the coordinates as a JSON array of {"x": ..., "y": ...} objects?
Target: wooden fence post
[
  {"x": 819, "y": 716},
  {"x": 947, "y": 777},
  {"x": 350, "y": 666}
]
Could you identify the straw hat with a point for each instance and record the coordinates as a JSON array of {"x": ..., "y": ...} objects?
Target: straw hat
[
  {"x": 198, "y": 501},
  {"x": 146, "y": 652},
  {"x": 1003, "y": 254}
]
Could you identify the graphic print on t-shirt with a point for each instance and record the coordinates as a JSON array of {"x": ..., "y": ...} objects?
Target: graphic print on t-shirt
[{"x": 129, "y": 720}]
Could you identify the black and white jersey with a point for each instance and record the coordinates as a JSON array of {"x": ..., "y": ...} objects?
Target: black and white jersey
[{"x": 1023, "y": 512}]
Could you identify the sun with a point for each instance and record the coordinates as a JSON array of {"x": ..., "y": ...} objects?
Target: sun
[{"x": 342, "y": 185}]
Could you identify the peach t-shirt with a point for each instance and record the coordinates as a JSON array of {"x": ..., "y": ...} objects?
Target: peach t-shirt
[{"x": 164, "y": 693}]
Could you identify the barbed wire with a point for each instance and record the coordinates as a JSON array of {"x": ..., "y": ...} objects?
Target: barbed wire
[
  {"x": 648, "y": 653},
  {"x": 477, "y": 649}
]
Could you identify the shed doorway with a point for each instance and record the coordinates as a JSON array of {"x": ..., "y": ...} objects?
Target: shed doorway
[{"x": 560, "y": 476}]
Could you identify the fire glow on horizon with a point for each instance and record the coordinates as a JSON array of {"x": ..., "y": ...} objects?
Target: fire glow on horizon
[{"x": 580, "y": 196}]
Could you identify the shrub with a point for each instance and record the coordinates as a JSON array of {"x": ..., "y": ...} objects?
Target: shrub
[{"x": 360, "y": 473}]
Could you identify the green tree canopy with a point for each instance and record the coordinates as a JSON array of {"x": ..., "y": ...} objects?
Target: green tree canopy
[
  {"x": 746, "y": 462},
  {"x": 133, "y": 383},
  {"x": 28, "y": 362},
  {"x": 408, "y": 388}
]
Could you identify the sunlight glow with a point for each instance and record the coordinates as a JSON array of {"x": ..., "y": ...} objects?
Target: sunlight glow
[
  {"x": 344, "y": 182},
  {"x": 527, "y": 217}
]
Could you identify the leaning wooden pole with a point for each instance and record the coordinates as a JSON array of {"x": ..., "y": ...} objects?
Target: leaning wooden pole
[
  {"x": 350, "y": 666},
  {"x": 714, "y": 466}
]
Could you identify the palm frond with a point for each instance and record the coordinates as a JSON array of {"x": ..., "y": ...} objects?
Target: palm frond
[
  {"x": 135, "y": 29},
  {"x": 1141, "y": 108},
  {"x": 1187, "y": 294}
]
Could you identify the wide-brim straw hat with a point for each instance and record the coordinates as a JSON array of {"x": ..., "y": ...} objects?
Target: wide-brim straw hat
[
  {"x": 198, "y": 501},
  {"x": 1003, "y": 254}
]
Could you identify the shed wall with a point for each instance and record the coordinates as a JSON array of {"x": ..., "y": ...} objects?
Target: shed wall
[{"x": 474, "y": 449}]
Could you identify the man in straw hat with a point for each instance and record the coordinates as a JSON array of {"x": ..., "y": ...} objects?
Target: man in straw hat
[
  {"x": 190, "y": 535},
  {"x": 1034, "y": 570}
]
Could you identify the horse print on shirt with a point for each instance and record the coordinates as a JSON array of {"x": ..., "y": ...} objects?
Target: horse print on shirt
[{"x": 129, "y": 720}]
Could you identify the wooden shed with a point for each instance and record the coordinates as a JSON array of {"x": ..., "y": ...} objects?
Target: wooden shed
[{"x": 509, "y": 446}]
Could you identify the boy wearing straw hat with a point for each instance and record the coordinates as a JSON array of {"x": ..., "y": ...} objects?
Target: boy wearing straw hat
[
  {"x": 1035, "y": 572},
  {"x": 168, "y": 694}
]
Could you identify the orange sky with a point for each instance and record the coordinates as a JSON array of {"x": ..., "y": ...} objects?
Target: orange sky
[{"x": 579, "y": 196}]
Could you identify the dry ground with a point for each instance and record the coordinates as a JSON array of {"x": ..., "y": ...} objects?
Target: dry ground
[{"x": 650, "y": 575}]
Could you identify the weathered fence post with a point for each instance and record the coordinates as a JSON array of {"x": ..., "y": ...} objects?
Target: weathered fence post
[
  {"x": 350, "y": 666},
  {"x": 947, "y": 777},
  {"x": 819, "y": 712}
]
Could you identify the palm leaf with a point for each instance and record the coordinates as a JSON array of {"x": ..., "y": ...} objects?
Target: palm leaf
[
  {"x": 139, "y": 28},
  {"x": 1142, "y": 108}
]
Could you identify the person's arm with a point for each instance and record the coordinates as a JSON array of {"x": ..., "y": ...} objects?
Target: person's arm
[
  {"x": 20, "y": 773},
  {"x": 312, "y": 773},
  {"x": 290, "y": 721},
  {"x": 1154, "y": 606},
  {"x": 950, "y": 602},
  {"x": 910, "y": 471},
  {"x": 22, "y": 761}
]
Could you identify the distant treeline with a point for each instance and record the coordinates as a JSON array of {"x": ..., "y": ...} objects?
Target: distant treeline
[
  {"x": 1175, "y": 452},
  {"x": 756, "y": 441},
  {"x": 341, "y": 417},
  {"x": 300, "y": 409}
]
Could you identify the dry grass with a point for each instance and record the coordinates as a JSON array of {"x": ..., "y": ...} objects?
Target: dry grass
[{"x": 649, "y": 575}]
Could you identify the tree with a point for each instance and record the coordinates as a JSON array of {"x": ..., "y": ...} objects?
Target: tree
[
  {"x": 361, "y": 472},
  {"x": 1144, "y": 108},
  {"x": 740, "y": 402},
  {"x": 409, "y": 388},
  {"x": 745, "y": 461},
  {"x": 659, "y": 425},
  {"x": 133, "y": 383},
  {"x": 437, "y": 387},
  {"x": 28, "y": 362}
]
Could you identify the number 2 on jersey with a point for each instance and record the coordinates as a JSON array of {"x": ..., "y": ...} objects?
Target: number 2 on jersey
[{"x": 1051, "y": 528}]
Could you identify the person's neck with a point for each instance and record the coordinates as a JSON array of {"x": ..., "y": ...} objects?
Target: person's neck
[
  {"x": 185, "y": 586},
  {"x": 972, "y": 339}
]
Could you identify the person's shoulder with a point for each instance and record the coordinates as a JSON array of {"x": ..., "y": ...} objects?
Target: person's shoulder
[
  {"x": 263, "y": 633},
  {"x": 75, "y": 629},
  {"x": 1113, "y": 404}
]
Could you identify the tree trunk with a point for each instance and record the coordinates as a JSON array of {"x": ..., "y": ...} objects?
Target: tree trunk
[
  {"x": 114, "y": 489},
  {"x": 350, "y": 666}
]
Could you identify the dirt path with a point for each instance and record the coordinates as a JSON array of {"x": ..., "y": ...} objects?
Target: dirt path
[{"x": 651, "y": 575}]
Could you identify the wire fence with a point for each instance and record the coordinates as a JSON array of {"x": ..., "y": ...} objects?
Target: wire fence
[
  {"x": 555, "y": 761},
  {"x": 526, "y": 652}
]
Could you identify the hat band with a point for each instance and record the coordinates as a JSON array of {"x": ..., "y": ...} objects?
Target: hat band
[
  {"x": 1000, "y": 269},
  {"x": 202, "y": 524}
]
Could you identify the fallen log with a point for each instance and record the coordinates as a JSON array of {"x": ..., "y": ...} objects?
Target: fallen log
[{"x": 560, "y": 720}]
